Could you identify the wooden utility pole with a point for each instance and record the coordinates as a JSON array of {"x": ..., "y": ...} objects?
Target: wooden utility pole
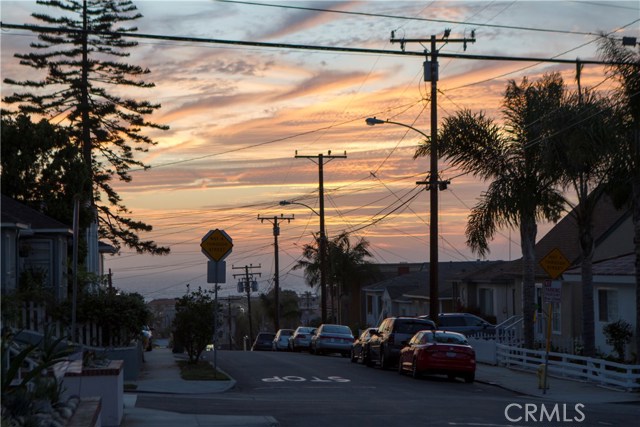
[
  {"x": 433, "y": 185},
  {"x": 247, "y": 283},
  {"x": 320, "y": 160},
  {"x": 276, "y": 277}
]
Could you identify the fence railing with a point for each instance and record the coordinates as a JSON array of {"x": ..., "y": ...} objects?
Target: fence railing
[
  {"x": 570, "y": 366},
  {"x": 34, "y": 318}
]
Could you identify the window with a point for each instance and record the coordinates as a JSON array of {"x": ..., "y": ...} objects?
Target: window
[
  {"x": 607, "y": 305},
  {"x": 486, "y": 300},
  {"x": 474, "y": 321},
  {"x": 452, "y": 321}
]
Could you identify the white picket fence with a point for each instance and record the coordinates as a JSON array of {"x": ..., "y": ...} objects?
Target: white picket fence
[
  {"x": 34, "y": 318},
  {"x": 570, "y": 366}
]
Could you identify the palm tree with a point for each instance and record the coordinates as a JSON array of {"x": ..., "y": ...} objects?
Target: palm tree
[
  {"x": 347, "y": 266},
  {"x": 584, "y": 152},
  {"x": 627, "y": 72},
  {"x": 522, "y": 191}
]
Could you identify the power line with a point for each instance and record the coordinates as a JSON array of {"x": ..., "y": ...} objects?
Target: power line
[
  {"x": 408, "y": 18},
  {"x": 44, "y": 29}
]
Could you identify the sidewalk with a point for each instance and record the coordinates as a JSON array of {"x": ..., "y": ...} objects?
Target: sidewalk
[
  {"x": 560, "y": 389},
  {"x": 161, "y": 375}
]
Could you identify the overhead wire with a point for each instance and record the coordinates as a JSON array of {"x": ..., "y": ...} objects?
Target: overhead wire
[{"x": 380, "y": 15}]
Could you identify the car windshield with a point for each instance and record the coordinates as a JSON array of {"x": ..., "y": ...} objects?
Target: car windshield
[
  {"x": 285, "y": 332},
  {"x": 411, "y": 327},
  {"x": 337, "y": 329},
  {"x": 449, "y": 338},
  {"x": 304, "y": 330},
  {"x": 266, "y": 337}
]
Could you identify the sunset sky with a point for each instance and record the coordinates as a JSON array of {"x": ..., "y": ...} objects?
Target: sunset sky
[{"x": 238, "y": 114}]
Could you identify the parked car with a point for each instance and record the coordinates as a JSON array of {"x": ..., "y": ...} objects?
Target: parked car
[
  {"x": 332, "y": 339},
  {"x": 281, "y": 340},
  {"x": 438, "y": 352},
  {"x": 360, "y": 347},
  {"x": 301, "y": 338},
  {"x": 386, "y": 343},
  {"x": 264, "y": 341},
  {"x": 464, "y": 323}
]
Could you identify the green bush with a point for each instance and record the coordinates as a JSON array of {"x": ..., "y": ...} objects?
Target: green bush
[
  {"x": 193, "y": 324},
  {"x": 618, "y": 335}
]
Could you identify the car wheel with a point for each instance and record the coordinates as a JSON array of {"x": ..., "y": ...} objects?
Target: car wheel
[
  {"x": 366, "y": 358},
  {"x": 347, "y": 354},
  {"x": 354, "y": 359},
  {"x": 470, "y": 378},
  {"x": 400, "y": 367},
  {"x": 414, "y": 369},
  {"x": 384, "y": 364}
]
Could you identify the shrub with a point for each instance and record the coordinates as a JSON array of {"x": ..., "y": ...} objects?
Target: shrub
[{"x": 618, "y": 335}]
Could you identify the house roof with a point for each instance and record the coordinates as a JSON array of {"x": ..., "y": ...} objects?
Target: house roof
[
  {"x": 14, "y": 213},
  {"x": 417, "y": 282},
  {"x": 623, "y": 265},
  {"x": 564, "y": 236}
]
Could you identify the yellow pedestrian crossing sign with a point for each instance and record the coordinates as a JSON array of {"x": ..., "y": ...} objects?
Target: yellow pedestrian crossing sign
[
  {"x": 216, "y": 245},
  {"x": 555, "y": 263}
]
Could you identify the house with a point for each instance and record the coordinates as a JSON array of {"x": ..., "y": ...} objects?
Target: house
[
  {"x": 500, "y": 285},
  {"x": 408, "y": 294},
  {"x": 33, "y": 242},
  {"x": 614, "y": 292}
]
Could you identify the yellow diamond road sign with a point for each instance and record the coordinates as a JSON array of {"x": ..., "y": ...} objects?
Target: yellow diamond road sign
[
  {"x": 216, "y": 245},
  {"x": 554, "y": 263}
]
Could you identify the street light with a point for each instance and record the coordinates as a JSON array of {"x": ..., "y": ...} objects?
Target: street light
[
  {"x": 433, "y": 185},
  {"x": 287, "y": 202},
  {"x": 322, "y": 249}
]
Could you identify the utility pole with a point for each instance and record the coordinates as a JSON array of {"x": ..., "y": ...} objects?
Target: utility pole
[
  {"x": 433, "y": 184},
  {"x": 322, "y": 244},
  {"x": 276, "y": 278},
  {"x": 245, "y": 285}
]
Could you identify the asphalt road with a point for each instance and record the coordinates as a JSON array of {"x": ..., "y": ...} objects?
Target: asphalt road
[{"x": 299, "y": 389}]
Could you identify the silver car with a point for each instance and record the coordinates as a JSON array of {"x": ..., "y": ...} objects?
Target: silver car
[
  {"x": 301, "y": 338},
  {"x": 281, "y": 341},
  {"x": 332, "y": 339}
]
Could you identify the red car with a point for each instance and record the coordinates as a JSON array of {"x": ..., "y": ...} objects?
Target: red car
[{"x": 438, "y": 352}]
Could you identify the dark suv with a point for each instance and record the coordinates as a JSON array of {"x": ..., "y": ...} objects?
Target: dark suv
[
  {"x": 464, "y": 323},
  {"x": 392, "y": 334}
]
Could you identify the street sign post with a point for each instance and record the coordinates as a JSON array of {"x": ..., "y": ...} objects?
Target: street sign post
[{"x": 216, "y": 245}]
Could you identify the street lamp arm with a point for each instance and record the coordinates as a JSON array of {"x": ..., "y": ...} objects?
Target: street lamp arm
[
  {"x": 287, "y": 202},
  {"x": 371, "y": 121}
]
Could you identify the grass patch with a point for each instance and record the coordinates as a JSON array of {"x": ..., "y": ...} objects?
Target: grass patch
[{"x": 201, "y": 371}]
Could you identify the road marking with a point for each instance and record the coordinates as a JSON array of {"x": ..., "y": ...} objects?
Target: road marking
[{"x": 297, "y": 379}]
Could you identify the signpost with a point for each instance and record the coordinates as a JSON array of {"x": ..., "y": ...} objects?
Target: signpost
[
  {"x": 554, "y": 263},
  {"x": 216, "y": 245}
]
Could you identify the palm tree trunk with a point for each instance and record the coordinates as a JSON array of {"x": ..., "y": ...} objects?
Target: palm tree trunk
[
  {"x": 587, "y": 246},
  {"x": 528, "y": 231}
]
